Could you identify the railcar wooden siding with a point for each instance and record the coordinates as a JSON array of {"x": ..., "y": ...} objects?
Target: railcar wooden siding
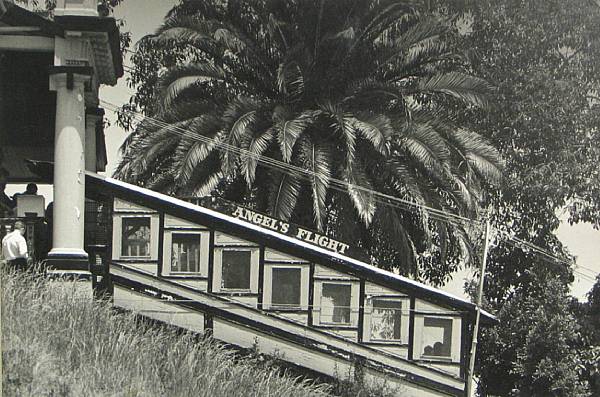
[{"x": 207, "y": 271}]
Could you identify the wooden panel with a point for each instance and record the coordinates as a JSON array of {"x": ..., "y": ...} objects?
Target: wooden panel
[
  {"x": 375, "y": 289},
  {"x": 126, "y": 206},
  {"x": 172, "y": 222},
  {"x": 301, "y": 318},
  {"x": 325, "y": 272},
  {"x": 351, "y": 334},
  {"x": 241, "y": 336},
  {"x": 251, "y": 301},
  {"x": 421, "y": 305},
  {"x": 201, "y": 285},
  {"x": 401, "y": 387},
  {"x": 279, "y": 329},
  {"x": 276, "y": 256},
  {"x": 158, "y": 310},
  {"x": 151, "y": 268},
  {"x": 226, "y": 239},
  {"x": 400, "y": 351},
  {"x": 450, "y": 368}
]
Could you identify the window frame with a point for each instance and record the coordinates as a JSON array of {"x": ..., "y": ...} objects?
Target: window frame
[
  {"x": 117, "y": 237},
  {"x": 455, "y": 338},
  {"x": 354, "y": 303},
  {"x": 404, "y": 319},
  {"x": 203, "y": 239},
  {"x": 149, "y": 255},
  {"x": 268, "y": 286},
  {"x": 217, "y": 278}
]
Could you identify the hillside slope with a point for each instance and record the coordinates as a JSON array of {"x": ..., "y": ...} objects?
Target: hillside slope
[{"x": 56, "y": 342}]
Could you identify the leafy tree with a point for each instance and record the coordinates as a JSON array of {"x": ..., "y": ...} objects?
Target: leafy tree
[
  {"x": 588, "y": 316},
  {"x": 531, "y": 354},
  {"x": 362, "y": 92},
  {"x": 544, "y": 57}
]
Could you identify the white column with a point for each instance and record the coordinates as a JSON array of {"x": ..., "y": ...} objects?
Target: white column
[{"x": 69, "y": 170}]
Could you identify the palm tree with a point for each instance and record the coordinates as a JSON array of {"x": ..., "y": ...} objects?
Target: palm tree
[{"x": 357, "y": 91}]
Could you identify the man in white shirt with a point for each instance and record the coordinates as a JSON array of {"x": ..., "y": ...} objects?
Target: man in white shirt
[{"x": 14, "y": 247}]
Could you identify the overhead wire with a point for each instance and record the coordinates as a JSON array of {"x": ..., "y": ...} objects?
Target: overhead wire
[
  {"x": 343, "y": 186},
  {"x": 549, "y": 258},
  {"x": 296, "y": 171}
]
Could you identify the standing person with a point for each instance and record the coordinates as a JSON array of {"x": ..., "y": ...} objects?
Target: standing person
[{"x": 14, "y": 247}]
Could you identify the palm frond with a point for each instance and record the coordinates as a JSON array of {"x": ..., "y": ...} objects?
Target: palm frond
[
  {"x": 255, "y": 147},
  {"x": 187, "y": 30},
  {"x": 392, "y": 225},
  {"x": 288, "y": 131},
  {"x": 427, "y": 148},
  {"x": 316, "y": 157},
  {"x": 468, "y": 88},
  {"x": 359, "y": 190},
  {"x": 369, "y": 89},
  {"x": 417, "y": 59},
  {"x": 179, "y": 78},
  {"x": 238, "y": 116},
  {"x": 483, "y": 157},
  {"x": 423, "y": 33},
  {"x": 284, "y": 195},
  {"x": 195, "y": 148},
  {"x": 376, "y": 129},
  {"x": 209, "y": 185},
  {"x": 290, "y": 80},
  {"x": 405, "y": 180},
  {"x": 343, "y": 124}
]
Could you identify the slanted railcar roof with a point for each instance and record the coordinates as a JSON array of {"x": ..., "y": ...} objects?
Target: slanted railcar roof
[{"x": 284, "y": 243}]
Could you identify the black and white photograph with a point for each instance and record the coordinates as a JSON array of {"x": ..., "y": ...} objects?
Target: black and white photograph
[{"x": 288, "y": 198}]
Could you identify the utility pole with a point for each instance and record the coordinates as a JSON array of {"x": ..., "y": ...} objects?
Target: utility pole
[{"x": 486, "y": 242}]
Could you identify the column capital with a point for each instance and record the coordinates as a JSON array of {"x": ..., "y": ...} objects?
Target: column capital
[{"x": 68, "y": 76}]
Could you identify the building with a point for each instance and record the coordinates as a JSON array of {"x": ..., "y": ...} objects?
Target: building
[
  {"x": 211, "y": 267},
  {"x": 250, "y": 279}
]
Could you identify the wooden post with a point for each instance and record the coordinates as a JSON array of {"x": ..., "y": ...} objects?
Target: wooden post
[{"x": 469, "y": 385}]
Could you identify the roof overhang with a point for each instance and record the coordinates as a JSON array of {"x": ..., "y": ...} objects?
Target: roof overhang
[
  {"x": 12, "y": 15},
  {"x": 23, "y": 30},
  {"x": 103, "y": 34}
]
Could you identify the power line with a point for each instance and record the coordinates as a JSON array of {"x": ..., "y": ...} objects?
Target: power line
[
  {"x": 296, "y": 171},
  {"x": 343, "y": 186},
  {"x": 551, "y": 259}
]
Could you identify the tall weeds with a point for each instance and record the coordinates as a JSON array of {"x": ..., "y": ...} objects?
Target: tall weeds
[{"x": 58, "y": 342}]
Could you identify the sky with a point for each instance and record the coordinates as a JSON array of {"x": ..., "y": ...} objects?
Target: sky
[{"x": 144, "y": 16}]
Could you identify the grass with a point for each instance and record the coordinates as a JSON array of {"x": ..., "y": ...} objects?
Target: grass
[{"x": 58, "y": 342}]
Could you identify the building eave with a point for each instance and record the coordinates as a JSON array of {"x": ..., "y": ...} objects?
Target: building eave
[
  {"x": 13, "y": 15},
  {"x": 103, "y": 34}
]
